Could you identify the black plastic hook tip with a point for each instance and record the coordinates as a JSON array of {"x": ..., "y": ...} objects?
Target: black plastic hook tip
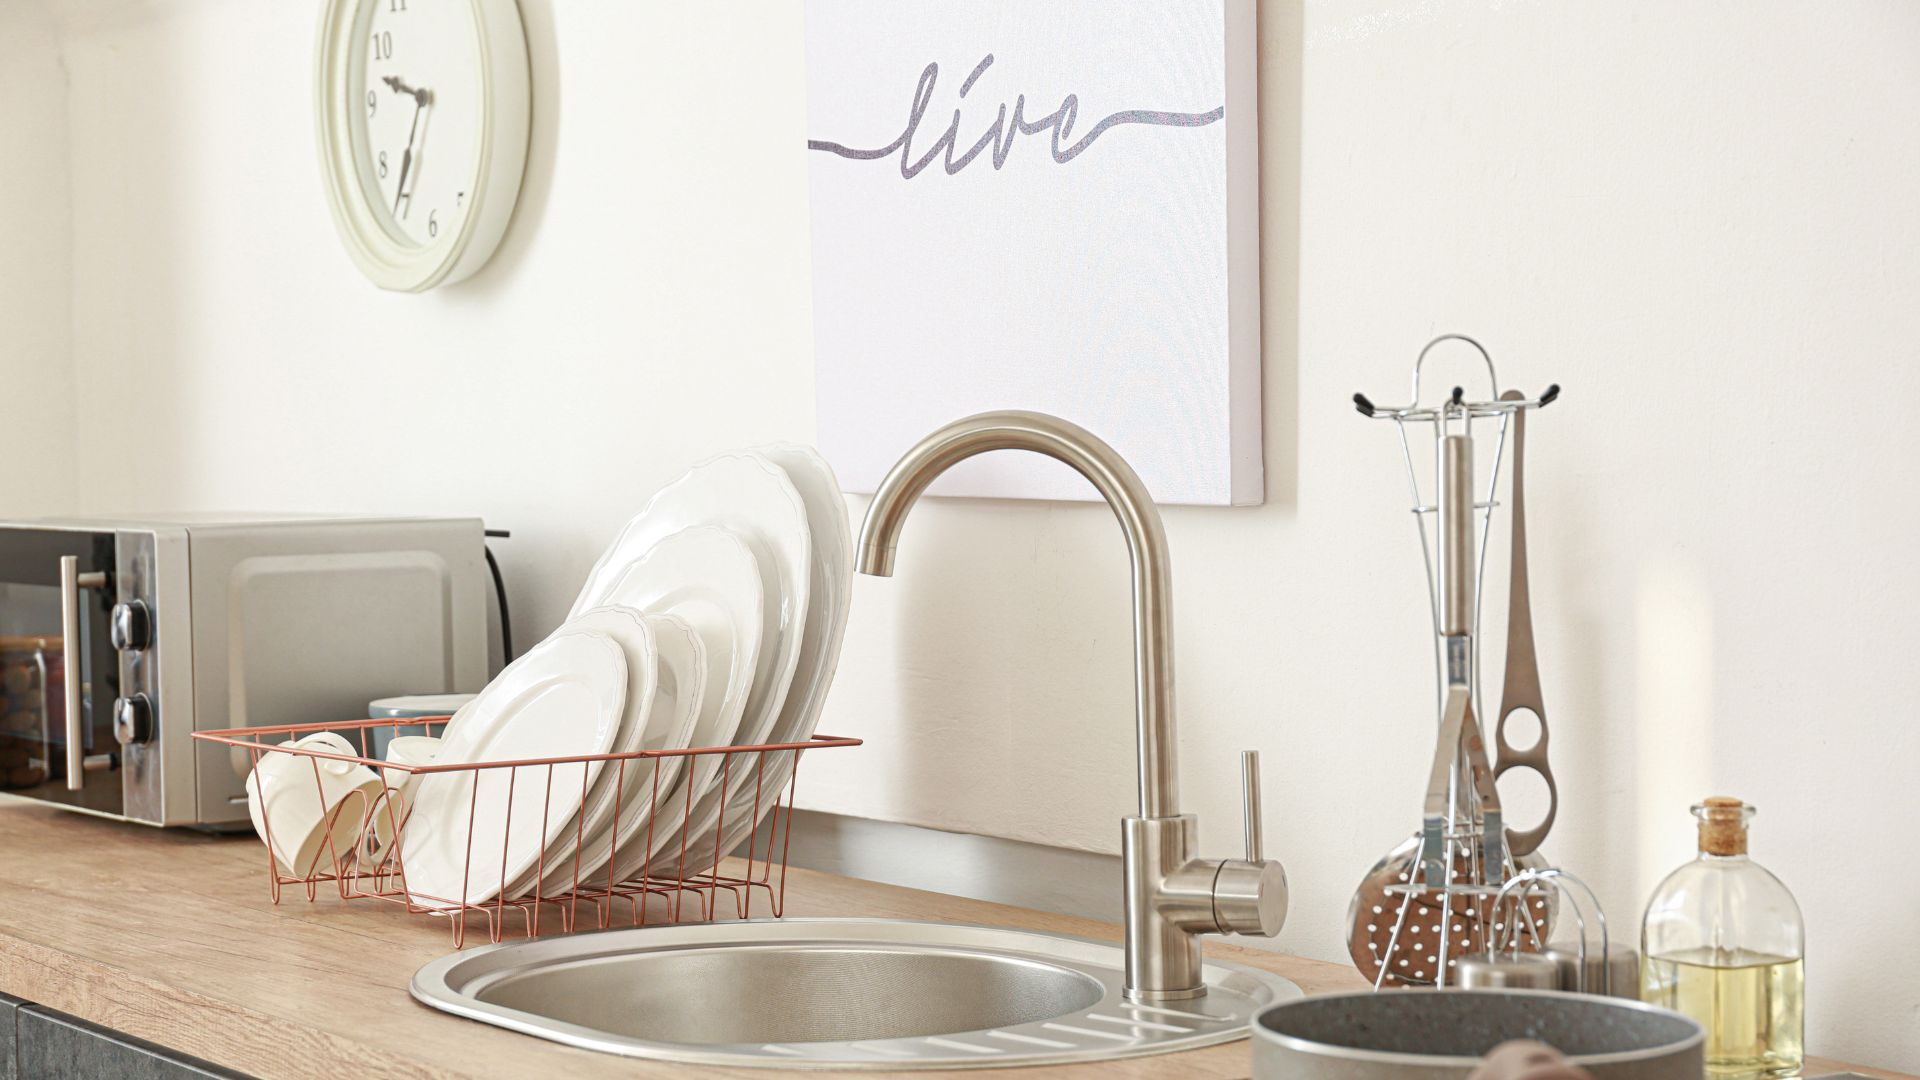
[
  {"x": 1459, "y": 395},
  {"x": 1552, "y": 393},
  {"x": 1361, "y": 403}
]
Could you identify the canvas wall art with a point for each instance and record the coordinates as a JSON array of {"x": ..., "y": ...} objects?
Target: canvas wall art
[{"x": 1038, "y": 204}]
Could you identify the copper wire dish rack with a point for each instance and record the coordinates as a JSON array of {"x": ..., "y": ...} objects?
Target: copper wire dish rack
[{"x": 371, "y": 867}]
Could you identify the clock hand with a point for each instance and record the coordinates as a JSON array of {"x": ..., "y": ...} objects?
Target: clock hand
[
  {"x": 399, "y": 86},
  {"x": 421, "y": 100}
]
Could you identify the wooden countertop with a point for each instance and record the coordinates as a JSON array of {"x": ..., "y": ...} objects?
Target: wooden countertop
[{"x": 170, "y": 936}]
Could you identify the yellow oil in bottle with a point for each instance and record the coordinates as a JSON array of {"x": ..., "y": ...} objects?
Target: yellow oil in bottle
[{"x": 1751, "y": 1005}]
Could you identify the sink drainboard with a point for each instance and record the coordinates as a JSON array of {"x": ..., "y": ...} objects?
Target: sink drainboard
[{"x": 838, "y": 993}]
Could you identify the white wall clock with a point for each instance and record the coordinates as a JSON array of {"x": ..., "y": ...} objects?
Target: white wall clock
[{"x": 423, "y": 109}]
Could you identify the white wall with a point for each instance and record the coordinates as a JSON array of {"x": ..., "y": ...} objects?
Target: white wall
[
  {"x": 36, "y": 261},
  {"x": 1699, "y": 218}
]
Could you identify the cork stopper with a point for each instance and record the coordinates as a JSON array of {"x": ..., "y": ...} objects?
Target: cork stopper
[{"x": 1723, "y": 825}]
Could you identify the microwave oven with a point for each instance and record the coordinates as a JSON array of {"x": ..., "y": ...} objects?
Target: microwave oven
[{"x": 120, "y": 638}]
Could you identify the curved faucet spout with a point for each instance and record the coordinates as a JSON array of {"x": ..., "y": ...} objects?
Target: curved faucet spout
[
  {"x": 1146, "y": 542},
  {"x": 1171, "y": 897}
]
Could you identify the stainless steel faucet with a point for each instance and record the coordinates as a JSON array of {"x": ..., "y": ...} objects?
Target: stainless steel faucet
[{"x": 1171, "y": 896}]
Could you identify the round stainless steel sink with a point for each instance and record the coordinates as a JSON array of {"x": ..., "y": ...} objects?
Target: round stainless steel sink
[{"x": 839, "y": 994}]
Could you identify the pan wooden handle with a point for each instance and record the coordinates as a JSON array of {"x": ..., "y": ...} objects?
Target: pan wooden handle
[{"x": 1523, "y": 1060}]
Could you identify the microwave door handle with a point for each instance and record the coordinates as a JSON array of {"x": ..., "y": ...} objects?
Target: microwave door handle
[{"x": 71, "y": 582}]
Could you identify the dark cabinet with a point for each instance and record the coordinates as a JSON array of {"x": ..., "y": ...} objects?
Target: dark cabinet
[
  {"x": 38, "y": 1043},
  {"x": 9, "y": 1009}
]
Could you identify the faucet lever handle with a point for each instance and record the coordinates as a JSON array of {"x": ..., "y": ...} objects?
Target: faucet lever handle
[
  {"x": 1250, "y": 801},
  {"x": 1250, "y": 897}
]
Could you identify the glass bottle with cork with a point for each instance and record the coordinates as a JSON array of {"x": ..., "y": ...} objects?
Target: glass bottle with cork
[{"x": 1723, "y": 943}]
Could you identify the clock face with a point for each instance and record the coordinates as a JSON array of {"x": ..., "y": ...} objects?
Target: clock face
[
  {"x": 423, "y": 111},
  {"x": 417, "y": 89}
]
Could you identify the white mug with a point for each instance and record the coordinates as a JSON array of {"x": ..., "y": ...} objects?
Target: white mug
[
  {"x": 390, "y": 813},
  {"x": 301, "y": 802}
]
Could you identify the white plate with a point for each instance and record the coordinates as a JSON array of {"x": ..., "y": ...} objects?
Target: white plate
[
  {"x": 677, "y": 699},
  {"x": 707, "y": 576},
  {"x": 630, "y": 630},
  {"x": 830, "y": 591},
  {"x": 751, "y": 496},
  {"x": 562, "y": 699},
  {"x": 410, "y": 705}
]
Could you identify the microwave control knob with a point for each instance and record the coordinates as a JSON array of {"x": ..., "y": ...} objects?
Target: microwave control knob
[
  {"x": 132, "y": 629},
  {"x": 133, "y": 719}
]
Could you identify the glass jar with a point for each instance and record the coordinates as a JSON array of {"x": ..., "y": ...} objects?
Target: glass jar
[{"x": 1724, "y": 944}]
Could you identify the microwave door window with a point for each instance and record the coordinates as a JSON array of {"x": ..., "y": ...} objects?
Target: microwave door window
[
  {"x": 29, "y": 610},
  {"x": 33, "y": 721},
  {"x": 32, "y": 689}
]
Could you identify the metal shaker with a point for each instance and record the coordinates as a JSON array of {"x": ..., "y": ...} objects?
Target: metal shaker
[
  {"x": 1614, "y": 973},
  {"x": 1506, "y": 971}
]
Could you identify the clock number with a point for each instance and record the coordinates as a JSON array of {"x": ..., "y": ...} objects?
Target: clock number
[
  {"x": 383, "y": 164},
  {"x": 383, "y": 45},
  {"x": 397, "y": 6},
  {"x": 433, "y": 223},
  {"x": 373, "y": 103}
]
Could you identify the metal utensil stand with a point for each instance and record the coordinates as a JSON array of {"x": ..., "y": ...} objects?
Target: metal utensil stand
[
  {"x": 1463, "y": 858},
  {"x": 1507, "y": 933}
]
